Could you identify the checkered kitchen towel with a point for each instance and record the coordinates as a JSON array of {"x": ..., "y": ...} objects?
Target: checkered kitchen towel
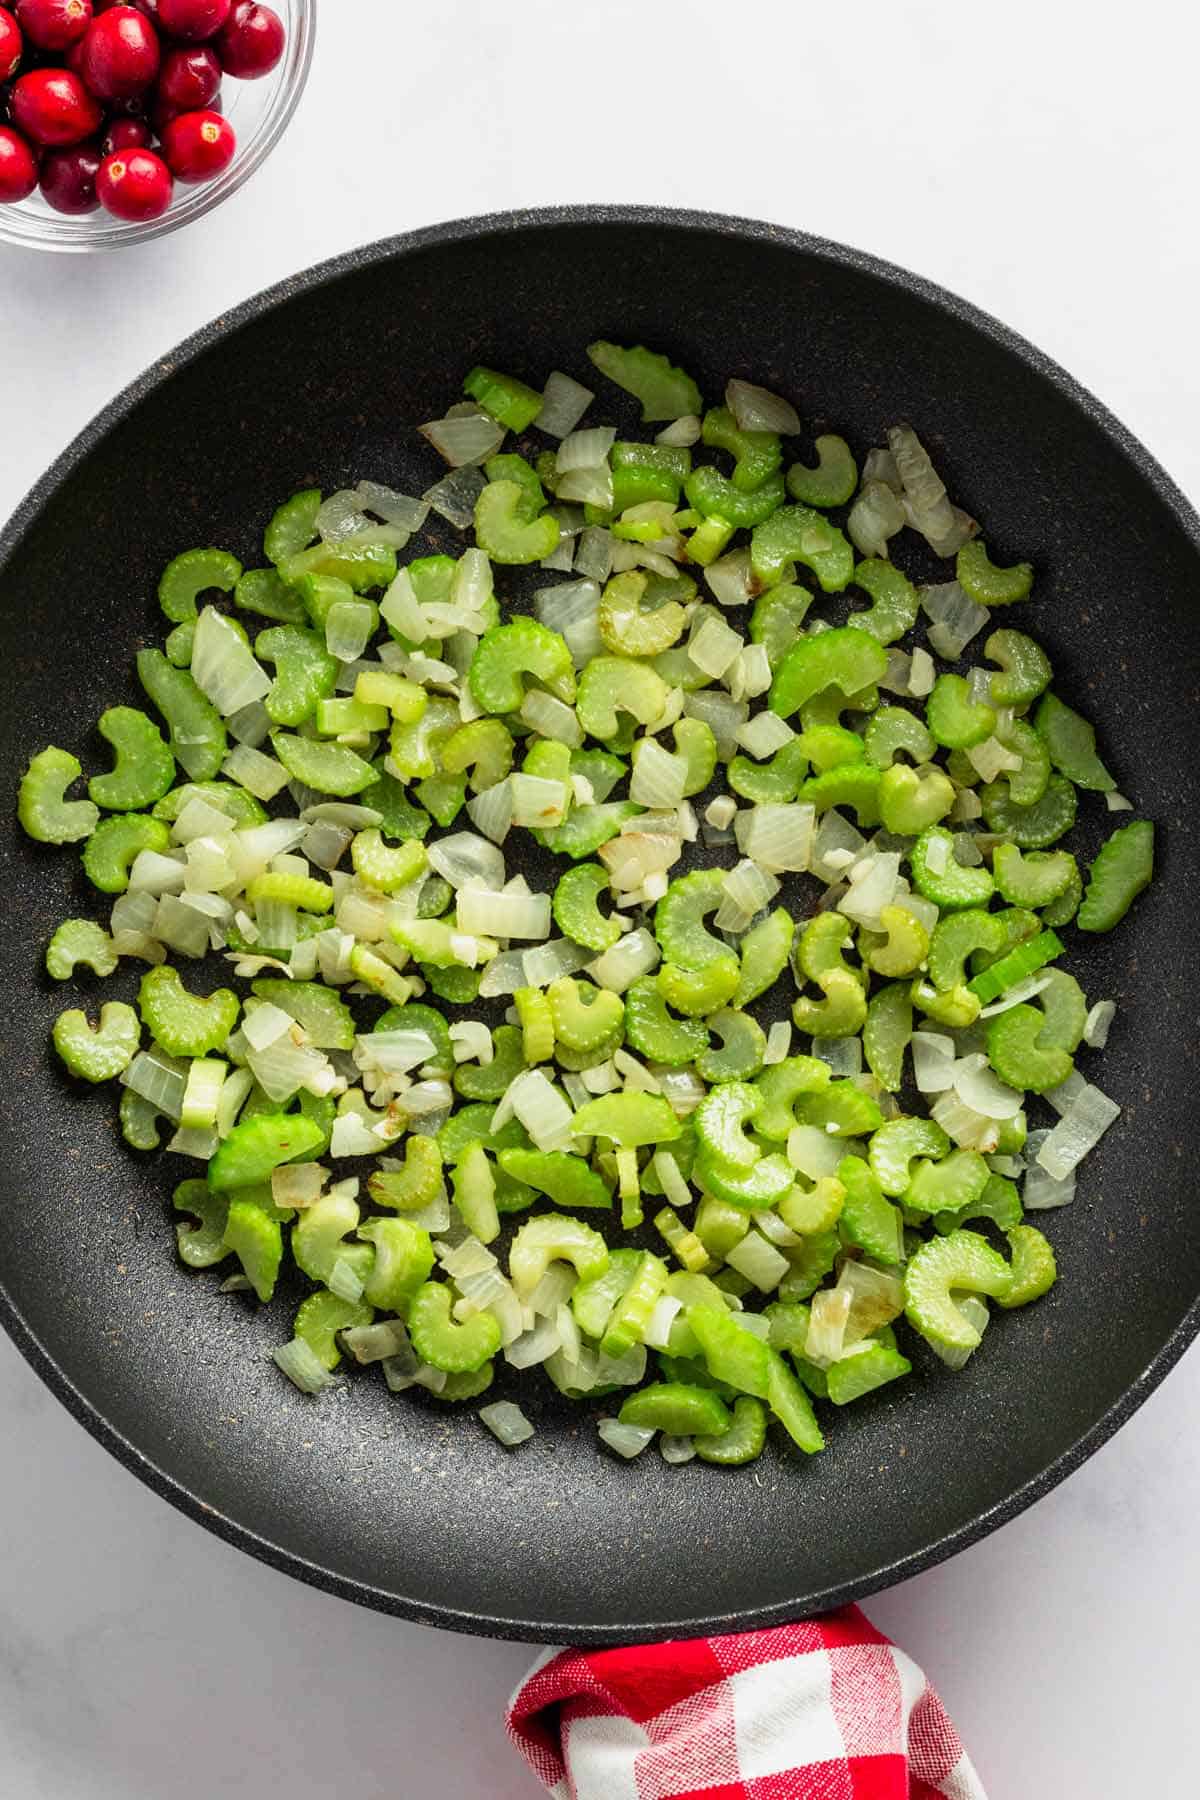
[{"x": 827, "y": 1709}]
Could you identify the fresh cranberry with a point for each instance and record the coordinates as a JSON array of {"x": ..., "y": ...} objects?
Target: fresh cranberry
[
  {"x": 126, "y": 134},
  {"x": 52, "y": 106},
  {"x": 251, "y": 41},
  {"x": 193, "y": 20},
  {"x": 10, "y": 44},
  {"x": 68, "y": 178},
  {"x": 120, "y": 54},
  {"x": 187, "y": 82},
  {"x": 135, "y": 184},
  {"x": 198, "y": 145},
  {"x": 53, "y": 24},
  {"x": 18, "y": 166}
]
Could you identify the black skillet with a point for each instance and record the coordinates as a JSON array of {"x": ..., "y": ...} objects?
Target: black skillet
[{"x": 397, "y": 1503}]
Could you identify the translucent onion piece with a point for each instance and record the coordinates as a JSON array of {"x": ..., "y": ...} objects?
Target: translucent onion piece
[
  {"x": 844, "y": 1055},
  {"x": 659, "y": 778},
  {"x": 876, "y": 1297},
  {"x": 730, "y": 578},
  {"x": 542, "y": 1110},
  {"x": 505, "y": 1420},
  {"x": 715, "y": 647},
  {"x": 975, "y": 1312},
  {"x": 1099, "y": 1020},
  {"x": 969, "y": 1129},
  {"x": 979, "y": 1088},
  {"x": 627, "y": 1440},
  {"x": 1077, "y": 1132},
  {"x": 757, "y": 409},
  {"x": 464, "y": 857},
  {"x": 762, "y": 735},
  {"x": 391, "y": 507},
  {"x": 723, "y": 715},
  {"x": 223, "y": 665},
  {"x": 871, "y": 891},
  {"x": 303, "y": 1367},
  {"x": 590, "y": 486},
  {"x": 779, "y": 1042},
  {"x": 876, "y": 516},
  {"x": 778, "y": 837},
  {"x": 468, "y": 438},
  {"x": 922, "y": 674},
  {"x": 1022, "y": 991},
  {"x": 594, "y": 556},
  {"x": 550, "y": 718},
  {"x": 544, "y": 963},
  {"x": 1116, "y": 802},
  {"x": 666, "y": 1311},
  {"x": 835, "y": 832},
  {"x": 564, "y": 403},
  {"x": 585, "y": 449},
  {"x": 829, "y": 1315},
  {"x": 933, "y": 1057},
  {"x": 814, "y": 1152},
  {"x": 760, "y": 1262},
  {"x": 533, "y": 1347},
  {"x": 492, "y": 811},
  {"x": 956, "y": 618},
  {"x": 1041, "y": 1192},
  {"x": 632, "y": 955}
]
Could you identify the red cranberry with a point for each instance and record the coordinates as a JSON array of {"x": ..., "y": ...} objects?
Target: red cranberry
[
  {"x": 149, "y": 7},
  {"x": 187, "y": 81},
  {"x": 53, "y": 24},
  {"x": 193, "y": 20},
  {"x": 18, "y": 166},
  {"x": 198, "y": 145},
  {"x": 68, "y": 178},
  {"x": 10, "y": 44},
  {"x": 52, "y": 106},
  {"x": 126, "y": 134},
  {"x": 251, "y": 41},
  {"x": 120, "y": 54},
  {"x": 135, "y": 184}
]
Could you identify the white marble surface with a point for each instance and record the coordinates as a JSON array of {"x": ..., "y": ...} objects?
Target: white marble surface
[{"x": 1039, "y": 159}]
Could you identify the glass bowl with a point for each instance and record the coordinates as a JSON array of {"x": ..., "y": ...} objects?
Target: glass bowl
[{"x": 259, "y": 112}]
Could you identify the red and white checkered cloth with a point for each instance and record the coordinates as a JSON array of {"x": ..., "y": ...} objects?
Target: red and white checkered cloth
[{"x": 827, "y": 1709}]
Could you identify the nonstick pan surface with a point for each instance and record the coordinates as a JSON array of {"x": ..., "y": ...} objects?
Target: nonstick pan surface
[{"x": 400, "y": 1503}]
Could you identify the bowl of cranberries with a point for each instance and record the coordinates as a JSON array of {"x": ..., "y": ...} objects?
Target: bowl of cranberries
[{"x": 123, "y": 119}]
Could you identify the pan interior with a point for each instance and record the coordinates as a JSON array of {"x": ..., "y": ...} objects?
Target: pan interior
[{"x": 402, "y": 1503}]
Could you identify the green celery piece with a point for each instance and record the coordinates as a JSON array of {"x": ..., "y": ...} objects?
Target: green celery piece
[
  {"x": 1123, "y": 868},
  {"x": 665, "y": 392},
  {"x": 43, "y": 810},
  {"x": 260, "y": 1144}
]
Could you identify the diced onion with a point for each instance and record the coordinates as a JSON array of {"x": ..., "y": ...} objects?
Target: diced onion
[
  {"x": 492, "y": 811},
  {"x": 876, "y": 516},
  {"x": 922, "y": 674},
  {"x": 658, "y": 1331},
  {"x": 544, "y": 963},
  {"x": 1040, "y": 1191},
  {"x": 659, "y": 777},
  {"x": 1019, "y": 992},
  {"x": 978, "y": 1087},
  {"x": 591, "y": 486},
  {"x": 503, "y": 915},
  {"x": 956, "y": 618},
  {"x": 466, "y": 438},
  {"x": 504, "y": 1418},
  {"x": 843, "y": 1055},
  {"x": 223, "y": 666},
  {"x": 760, "y": 1262},
  {"x": 813, "y": 1151},
  {"x": 1116, "y": 802},
  {"x": 762, "y": 735},
  {"x": 302, "y": 1366},
  {"x": 682, "y": 433},
  {"x": 871, "y": 891},
  {"x": 969, "y": 1129},
  {"x": 620, "y": 966},
  {"x": 533, "y": 1347},
  {"x": 723, "y": 715},
  {"x": 757, "y": 409},
  {"x": 542, "y": 1110},
  {"x": 627, "y": 1440},
  {"x": 778, "y": 837},
  {"x": 779, "y": 1042},
  {"x": 828, "y": 1317},
  {"x": 730, "y": 578},
  {"x": 594, "y": 555},
  {"x": 714, "y": 647},
  {"x": 550, "y": 718},
  {"x": 586, "y": 449},
  {"x": 933, "y": 1062},
  {"x": 975, "y": 1312},
  {"x": 991, "y": 759},
  {"x": 260, "y": 775},
  {"x": 834, "y": 833},
  {"x": 1078, "y": 1131},
  {"x": 464, "y": 857},
  {"x": 1098, "y": 1022}
]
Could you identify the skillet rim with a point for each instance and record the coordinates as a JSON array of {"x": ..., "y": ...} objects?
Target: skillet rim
[{"x": 269, "y": 300}]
